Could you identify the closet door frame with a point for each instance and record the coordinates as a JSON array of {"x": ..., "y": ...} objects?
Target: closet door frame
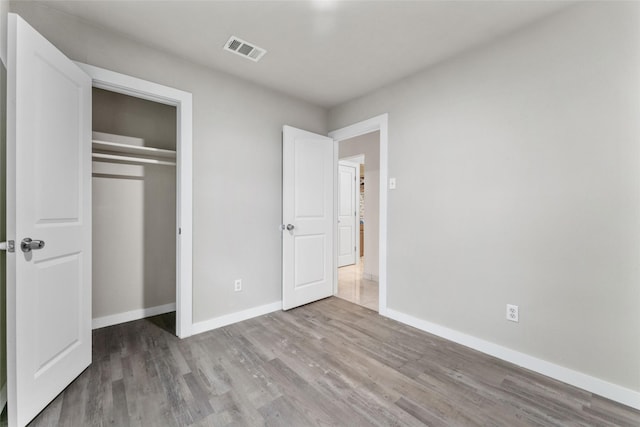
[{"x": 132, "y": 86}]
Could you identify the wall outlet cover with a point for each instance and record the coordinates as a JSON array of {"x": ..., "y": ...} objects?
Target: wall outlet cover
[{"x": 512, "y": 313}]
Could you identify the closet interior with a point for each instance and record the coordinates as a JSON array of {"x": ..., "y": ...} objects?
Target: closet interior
[{"x": 134, "y": 208}]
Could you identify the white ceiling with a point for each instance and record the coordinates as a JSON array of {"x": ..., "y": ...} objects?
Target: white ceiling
[{"x": 323, "y": 51}]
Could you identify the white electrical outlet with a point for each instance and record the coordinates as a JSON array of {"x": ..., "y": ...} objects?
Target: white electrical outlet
[
  {"x": 392, "y": 183},
  {"x": 512, "y": 312},
  {"x": 237, "y": 285}
]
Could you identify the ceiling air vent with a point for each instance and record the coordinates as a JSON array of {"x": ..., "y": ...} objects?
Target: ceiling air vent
[{"x": 244, "y": 49}]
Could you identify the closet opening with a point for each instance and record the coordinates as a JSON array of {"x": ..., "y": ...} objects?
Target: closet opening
[{"x": 134, "y": 205}]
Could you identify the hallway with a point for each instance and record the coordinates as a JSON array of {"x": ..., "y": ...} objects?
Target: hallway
[{"x": 353, "y": 287}]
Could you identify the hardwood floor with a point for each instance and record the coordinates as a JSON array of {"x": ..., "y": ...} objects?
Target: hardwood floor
[{"x": 327, "y": 363}]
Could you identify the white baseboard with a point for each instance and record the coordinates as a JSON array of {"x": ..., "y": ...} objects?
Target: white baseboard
[
  {"x": 3, "y": 396},
  {"x": 578, "y": 379},
  {"x": 227, "y": 319},
  {"x": 114, "y": 319}
]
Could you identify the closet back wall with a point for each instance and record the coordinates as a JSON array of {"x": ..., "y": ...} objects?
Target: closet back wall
[{"x": 134, "y": 210}]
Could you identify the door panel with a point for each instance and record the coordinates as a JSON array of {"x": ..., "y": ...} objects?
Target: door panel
[
  {"x": 48, "y": 199},
  {"x": 310, "y": 177},
  {"x": 307, "y": 206},
  {"x": 56, "y": 160},
  {"x": 57, "y": 330},
  {"x": 347, "y": 213},
  {"x": 309, "y": 256}
]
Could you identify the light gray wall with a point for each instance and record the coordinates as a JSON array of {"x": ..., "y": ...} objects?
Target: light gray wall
[
  {"x": 134, "y": 210},
  {"x": 369, "y": 145},
  {"x": 4, "y": 10},
  {"x": 237, "y": 165},
  {"x": 120, "y": 114},
  {"x": 518, "y": 169}
]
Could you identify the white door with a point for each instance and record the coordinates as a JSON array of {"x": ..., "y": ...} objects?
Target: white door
[
  {"x": 307, "y": 214},
  {"x": 347, "y": 212},
  {"x": 48, "y": 199}
]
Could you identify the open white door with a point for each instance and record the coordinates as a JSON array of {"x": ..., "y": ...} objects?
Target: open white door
[
  {"x": 48, "y": 200},
  {"x": 307, "y": 216},
  {"x": 347, "y": 212}
]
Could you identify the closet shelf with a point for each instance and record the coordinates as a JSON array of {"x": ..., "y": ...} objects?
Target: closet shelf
[
  {"x": 115, "y": 147},
  {"x": 115, "y": 158}
]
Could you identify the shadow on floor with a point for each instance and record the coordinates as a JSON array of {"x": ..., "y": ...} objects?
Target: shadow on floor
[{"x": 165, "y": 321}]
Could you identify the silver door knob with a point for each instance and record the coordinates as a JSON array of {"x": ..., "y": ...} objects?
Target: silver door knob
[
  {"x": 28, "y": 245},
  {"x": 290, "y": 227}
]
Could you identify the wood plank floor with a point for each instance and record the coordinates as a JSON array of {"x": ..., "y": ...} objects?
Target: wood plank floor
[{"x": 328, "y": 363}]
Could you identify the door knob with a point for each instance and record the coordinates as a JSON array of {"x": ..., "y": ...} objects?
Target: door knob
[
  {"x": 27, "y": 245},
  {"x": 290, "y": 227}
]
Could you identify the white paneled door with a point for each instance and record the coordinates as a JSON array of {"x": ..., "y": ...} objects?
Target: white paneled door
[
  {"x": 307, "y": 217},
  {"x": 49, "y": 202},
  {"x": 347, "y": 212}
]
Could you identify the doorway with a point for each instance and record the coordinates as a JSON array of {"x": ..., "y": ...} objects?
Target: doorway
[
  {"x": 309, "y": 230},
  {"x": 358, "y": 280},
  {"x": 49, "y": 190},
  {"x": 182, "y": 103},
  {"x": 133, "y": 201},
  {"x": 365, "y": 143}
]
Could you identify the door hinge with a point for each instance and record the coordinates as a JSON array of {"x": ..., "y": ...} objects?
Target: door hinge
[
  {"x": 9, "y": 246},
  {"x": 179, "y": 230}
]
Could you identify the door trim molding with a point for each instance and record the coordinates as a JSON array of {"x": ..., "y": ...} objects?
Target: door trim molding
[
  {"x": 132, "y": 86},
  {"x": 378, "y": 123}
]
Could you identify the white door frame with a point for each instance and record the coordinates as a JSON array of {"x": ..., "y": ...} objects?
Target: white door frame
[
  {"x": 378, "y": 123},
  {"x": 356, "y": 205},
  {"x": 127, "y": 85}
]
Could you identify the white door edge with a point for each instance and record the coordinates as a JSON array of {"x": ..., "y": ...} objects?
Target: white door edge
[
  {"x": 377, "y": 123},
  {"x": 132, "y": 86}
]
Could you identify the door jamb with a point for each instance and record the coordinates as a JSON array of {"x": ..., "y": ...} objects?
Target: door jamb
[
  {"x": 378, "y": 123},
  {"x": 127, "y": 85}
]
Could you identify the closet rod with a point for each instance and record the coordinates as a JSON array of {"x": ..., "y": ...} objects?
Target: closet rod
[
  {"x": 115, "y": 147},
  {"x": 100, "y": 157}
]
